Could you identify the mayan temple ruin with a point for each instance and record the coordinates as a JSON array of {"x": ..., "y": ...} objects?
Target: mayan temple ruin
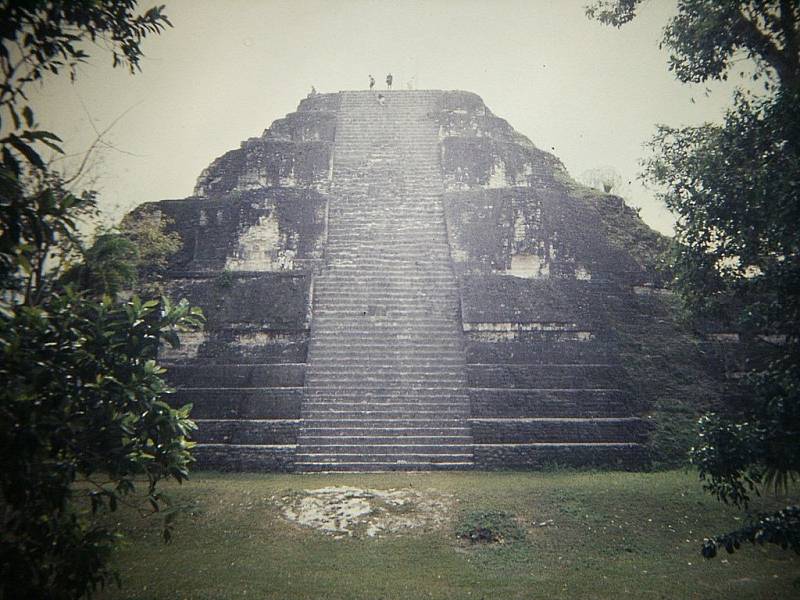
[{"x": 407, "y": 283}]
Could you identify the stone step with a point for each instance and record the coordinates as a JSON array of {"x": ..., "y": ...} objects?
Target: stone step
[
  {"x": 508, "y": 403},
  {"x": 440, "y": 336},
  {"x": 406, "y": 293},
  {"x": 388, "y": 291},
  {"x": 357, "y": 273},
  {"x": 352, "y": 314},
  {"x": 224, "y": 347},
  {"x": 247, "y": 431},
  {"x": 361, "y": 335},
  {"x": 337, "y": 423},
  {"x": 396, "y": 348},
  {"x": 521, "y": 430},
  {"x": 322, "y": 408},
  {"x": 341, "y": 275},
  {"x": 354, "y": 289},
  {"x": 334, "y": 388},
  {"x": 415, "y": 305},
  {"x": 315, "y": 399},
  {"x": 378, "y": 339},
  {"x": 245, "y": 457},
  {"x": 385, "y": 457},
  {"x": 306, "y": 466},
  {"x": 547, "y": 455},
  {"x": 418, "y": 311},
  {"x": 400, "y": 343},
  {"x": 339, "y": 248},
  {"x": 237, "y": 375},
  {"x": 377, "y": 264},
  {"x": 376, "y": 449},
  {"x": 399, "y": 415},
  {"x": 402, "y": 245},
  {"x": 361, "y": 207},
  {"x": 355, "y": 440},
  {"x": 401, "y": 228},
  {"x": 389, "y": 368},
  {"x": 355, "y": 380},
  {"x": 408, "y": 252},
  {"x": 310, "y": 430},
  {"x": 345, "y": 359},
  {"x": 380, "y": 350},
  {"x": 240, "y": 402},
  {"x": 359, "y": 382},
  {"x": 545, "y": 376}
]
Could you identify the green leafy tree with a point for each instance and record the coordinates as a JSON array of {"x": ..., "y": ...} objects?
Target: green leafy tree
[
  {"x": 735, "y": 189},
  {"x": 83, "y": 419},
  {"x": 134, "y": 257}
]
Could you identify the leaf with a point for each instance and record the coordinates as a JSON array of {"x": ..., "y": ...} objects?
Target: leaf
[
  {"x": 27, "y": 114},
  {"x": 29, "y": 153},
  {"x": 14, "y": 116}
]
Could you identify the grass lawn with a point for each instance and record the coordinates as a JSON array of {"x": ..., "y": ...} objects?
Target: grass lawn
[{"x": 613, "y": 535}]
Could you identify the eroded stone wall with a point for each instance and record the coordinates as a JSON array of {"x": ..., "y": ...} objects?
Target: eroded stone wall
[
  {"x": 294, "y": 152},
  {"x": 570, "y": 341}
]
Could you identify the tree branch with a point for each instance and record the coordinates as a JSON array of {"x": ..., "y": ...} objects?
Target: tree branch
[
  {"x": 788, "y": 20},
  {"x": 760, "y": 44}
]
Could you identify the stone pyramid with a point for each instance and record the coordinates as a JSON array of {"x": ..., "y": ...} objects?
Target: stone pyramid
[{"x": 407, "y": 283}]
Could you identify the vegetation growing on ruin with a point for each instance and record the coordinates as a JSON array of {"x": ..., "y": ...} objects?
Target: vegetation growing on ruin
[
  {"x": 132, "y": 257},
  {"x": 625, "y": 229}
]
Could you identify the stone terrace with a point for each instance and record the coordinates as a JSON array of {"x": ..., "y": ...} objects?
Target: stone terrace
[{"x": 402, "y": 285}]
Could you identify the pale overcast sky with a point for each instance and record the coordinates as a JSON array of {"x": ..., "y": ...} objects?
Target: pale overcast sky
[{"x": 590, "y": 94}]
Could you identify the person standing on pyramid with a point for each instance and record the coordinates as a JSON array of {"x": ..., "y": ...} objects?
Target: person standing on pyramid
[
  {"x": 389, "y": 81},
  {"x": 371, "y": 82}
]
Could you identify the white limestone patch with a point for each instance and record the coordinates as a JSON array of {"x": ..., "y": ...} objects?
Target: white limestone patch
[
  {"x": 262, "y": 247},
  {"x": 348, "y": 511},
  {"x": 582, "y": 273},
  {"x": 529, "y": 266}
]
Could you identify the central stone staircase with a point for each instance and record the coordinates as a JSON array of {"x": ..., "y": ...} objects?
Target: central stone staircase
[{"x": 385, "y": 385}]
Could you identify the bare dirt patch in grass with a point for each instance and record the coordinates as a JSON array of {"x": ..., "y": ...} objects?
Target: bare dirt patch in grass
[{"x": 344, "y": 511}]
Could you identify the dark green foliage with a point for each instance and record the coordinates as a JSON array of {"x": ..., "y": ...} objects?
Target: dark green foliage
[
  {"x": 36, "y": 224},
  {"x": 81, "y": 401},
  {"x": 734, "y": 188},
  {"x": 109, "y": 266},
  {"x": 82, "y": 415},
  {"x": 135, "y": 257},
  {"x": 762, "y": 448},
  {"x": 781, "y": 528},
  {"x": 489, "y": 527},
  {"x": 224, "y": 280}
]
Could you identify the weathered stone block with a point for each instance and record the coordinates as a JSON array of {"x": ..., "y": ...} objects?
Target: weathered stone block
[
  {"x": 220, "y": 403},
  {"x": 226, "y": 457},
  {"x": 246, "y": 432},
  {"x": 537, "y": 456}
]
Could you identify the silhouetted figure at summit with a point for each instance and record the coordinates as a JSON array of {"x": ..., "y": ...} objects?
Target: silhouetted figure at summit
[
  {"x": 389, "y": 79},
  {"x": 371, "y": 82}
]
